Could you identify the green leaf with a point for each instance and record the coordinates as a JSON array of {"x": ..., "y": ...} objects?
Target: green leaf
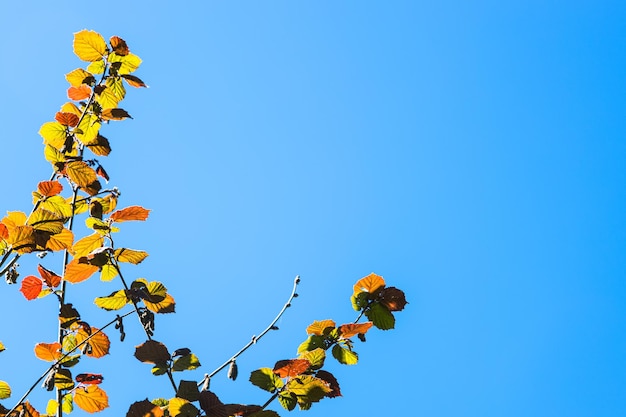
[
  {"x": 380, "y": 316},
  {"x": 115, "y": 301},
  {"x": 345, "y": 356},
  {"x": 316, "y": 357},
  {"x": 188, "y": 390},
  {"x": 359, "y": 302},
  {"x": 288, "y": 400},
  {"x": 313, "y": 342},
  {"x": 266, "y": 379},
  {"x": 5, "y": 390},
  {"x": 308, "y": 389},
  {"x": 186, "y": 363}
]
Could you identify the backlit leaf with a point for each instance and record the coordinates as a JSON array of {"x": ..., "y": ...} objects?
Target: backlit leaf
[
  {"x": 31, "y": 287},
  {"x": 87, "y": 244},
  {"x": 96, "y": 67},
  {"x": 67, "y": 119},
  {"x": 58, "y": 205},
  {"x": 179, "y": 407},
  {"x": 108, "y": 272},
  {"x": 49, "y": 188},
  {"x": 53, "y": 134},
  {"x": 100, "y": 146},
  {"x": 22, "y": 239},
  {"x": 60, "y": 241},
  {"x": 51, "y": 408},
  {"x": 25, "y": 409},
  {"x": 316, "y": 357},
  {"x": 119, "y": 45},
  {"x": 318, "y": 327},
  {"x": 130, "y": 255},
  {"x": 46, "y": 220},
  {"x": 115, "y": 301},
  {"x": 99, "y": 342},
  {"x": 107, "y": 98},
  {"x": 50, "y": 278},
  {"x": 152, "y": 351},
  {"x": 80, "y": 173},
  {"x": 380, "y": 316},
  {"x": 186, "y": 363},
  {"x": 70, "y": 107},
  {"x": 5, "y": 390},
  {"x": 130, "y": 213},
  {"x": 291, "y": 367},
  {"x": 77, "y": 77},
  {"x": 49, "y": 352},
  {"x": 332, "y": 383},
  {"x": 79, "y": 93},
  {"x": 52, "y": 154},
  {"x": 370, "y": 284},
  {"x": 266, "y": 379},
  {"x": 311, "y": 343},
  {"x": 133, "y": 81},
  {"x": 188, "y": 390},
  {"x": 89, "y": 46},
  {"x": 91, "y": 398},
  {"x": 166, "y": 305},
  {"x": 67, "y": 403},
  {"x": 2, "y": 348},
  {"x": 88, "y": 128},
  {"x": 344, "y": 355},
  {"x": 115, "y": 114},
  {"x": 76, "y": 272},
  {"x": 63, "y": 379},
  {"x": 14, "y": 219},
  {"x": 308, "y": 389},
  {"x": 127, "y": 64},
  {"x": 352, "y": 329},
  {"x": 393, "y": 299}
]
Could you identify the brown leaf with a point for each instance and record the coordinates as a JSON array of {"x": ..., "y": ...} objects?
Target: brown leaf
[
  {"x": 133, "y": 81},
  {"x": 67, "y": 119},
  {"x": 115, "y": 114},
  {"x": 152, "y": 351},
  {"x": 393, "y": 299},
  {"x": 144, "y": 409},
  {"x": 332, "y": 383},
  {"x": 211, "y": 404},
  {"x": 119, "y": 45}
]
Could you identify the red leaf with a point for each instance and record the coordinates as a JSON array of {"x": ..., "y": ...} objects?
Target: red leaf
[
  {"x": 49, "y": 188},
  {"x": 130, "y": 213},
  {"x": 292, "y": 367},
  {"x": 89, "y": 379},
  {"x": 31, "y": 287},
  {"x": 67, "y": 119}
]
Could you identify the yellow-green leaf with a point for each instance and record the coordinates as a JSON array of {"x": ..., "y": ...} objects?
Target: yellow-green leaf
[
  {"x": 46, "y": 221},
  {"x": 76, "y": 77},
  {"x": 87, "y": 130},
  {"x": 130, "y": 255},
  {"x": 89, "y": 46},
  {"x": 345, "y": 356},
  {"x": 96, "y": 67},
  {"x": 127, "y": 63},
  {"x": 186, "y": 363},
  {"x": 80, "y": 173},
  {"x": 115, "y": 301},
  {"x": 108, "y": 272},
  {"x": 179, "y": 407},
  {"x": 51, "y": 408},
  {"x": 53, "y": 134}
]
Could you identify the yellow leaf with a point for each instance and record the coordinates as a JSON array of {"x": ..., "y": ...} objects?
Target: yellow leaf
[
  {"x": 53, "y": 155},
  {"x": 179, "y": 407},
  {"x": 88, "y": 128},
  {"x": 80, "y": 207},
  {"x": 318, "y": 327},
  {"x": 80, "y": 173},
  {"x": 70, "y": 107},
  {"x": 107, "y": 99},
  {"x": 51, "y": 408},
  {"x": 58, "y": 205},
  {"x": 108, "y": 273},
  {"x": 76, "y": 77},
  {"x": 14, "y": 219},
  {"x": 96, "y": 67},
  {"x": 89, "y": 46},
  {"x": 99, "y": 342},
  {"x": 76, "y": 272},
  {"x": 127, "y": 63},
  {"x": 46, "y": 220},
  {"x": 5, "y": 390},
  {"x": 49, "y": 352},
  {"x": 53, "y": 134},
  {"x": 130, "y": 255},
  {"x": 60, "y": 241},
  {"x": 99, "y": 145},
  {"x": 91, "y": 399},
  {"x": 164, "y": 306},
  {"x": 22, "y": 239},
  {"x": 87, "y": 244},
  {"x": 114, "y": 301}
]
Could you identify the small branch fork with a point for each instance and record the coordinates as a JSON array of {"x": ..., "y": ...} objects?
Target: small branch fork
[{"x": 272, "y": 326}]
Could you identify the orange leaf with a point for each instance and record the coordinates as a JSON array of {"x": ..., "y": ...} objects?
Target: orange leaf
[
  {"x": 81, "y": 173},
  {"x": 292, "y": 367},
  {"x": 25, "y": 409},
  {"x": 369, "y": 284},
  {"x": 79, "y": 93},
  {"x": 318, "y": 327},
  {"x": 167, "y": 305},
  {"x": 60, "y": 241},
  {"x": 133, "y": 81},
  {"x": 51, "y": 279},
  {"x": 91, "y": 398},
  {"x": 49, "y": 352},
  {"x": 130, "y": 213},
  {"x": 4, "y": 232},
  {"x": 49, "y": 188},
  {"x": 22, "y": 238},
  {"x": 119, "y": 45},
  {"x": 31, "y": 287},
  {"x": 76, "y": 272},
  {"x": 67, "y": 119},
  {"x": 115, "y": 114},
  {"x": 99, "y": 343},
  {"x": 352, "y": 329},
  {"x": 87, "y": 244}
]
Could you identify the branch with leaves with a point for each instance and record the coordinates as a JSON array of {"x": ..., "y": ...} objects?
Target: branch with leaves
[{"x": 74, "y": 146}]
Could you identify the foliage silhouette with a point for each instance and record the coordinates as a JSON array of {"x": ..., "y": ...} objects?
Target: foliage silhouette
[{"x": 73, "y": 146}]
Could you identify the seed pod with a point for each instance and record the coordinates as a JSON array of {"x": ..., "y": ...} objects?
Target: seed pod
[{"x": 232, "y": 371}]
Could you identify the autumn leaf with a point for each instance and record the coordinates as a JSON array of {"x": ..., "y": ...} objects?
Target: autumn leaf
[
  {"x": 130, "y": 213},
  {"x": 49, "y": 352},
  {"x": 67, "y": 119},
  {"x": 119, "y": 45},
  {"x": 166, "y": 305},
  {"x": 99, "y": 342},
  {"x": 31, "y": 287},
  {"x": 344, "y": 355},
  {"x": 319, "y": 327},
  {"x": 266, "y": 379},
  {"x": 89, "y": 379},
  {"x": 332, "y": 383},
  {"x": 370, "y": 284},
  {"x": 124, "y": 64},
  {"x": 79, "y": 93},
  {"x": 49, "y": 188},
  {"x": 60, "y": 241},
  {"x": 133, "y": 81},
  {"x": 393, "y": 299},
  {"x": 99, "y": 146},
  {"x": 87, "y": 244},
  {"x": 78, "y": 77},
  {"x": 80, "y": 173},
  {"x": 88, "y": 128},
  {"x": 179, "y": 407},
  {"x": 352, "y": 329},
  {"x": 5, "y": 390},
  {"x": 51, "y": 279},
  {"x": 46, "y": 220},
  {"x": 144, "y": 409},
  {"x": 91, "y": 398},
  {"x": 316, "y": 358},
  {"x": 115, "y": 114},
  {"x": 76, "y": 272},
  {"x": 291, "y": 367},
  {"x": 130, "y": 255},
  {"x": 115, "y": 301},
  {"x": 186, "y": 362},
  {"x": 89, "y": 46},
  {"x": 53, "y": 134}
]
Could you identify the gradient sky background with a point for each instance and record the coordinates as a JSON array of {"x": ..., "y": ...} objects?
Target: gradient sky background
[{"x": 472, "y": 153}]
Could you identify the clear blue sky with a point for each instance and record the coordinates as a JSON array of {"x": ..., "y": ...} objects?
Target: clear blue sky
[{"x": 472, "y": 153}]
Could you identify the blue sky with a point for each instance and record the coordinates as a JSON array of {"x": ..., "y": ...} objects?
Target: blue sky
[{"x": 472, "y": 153}]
